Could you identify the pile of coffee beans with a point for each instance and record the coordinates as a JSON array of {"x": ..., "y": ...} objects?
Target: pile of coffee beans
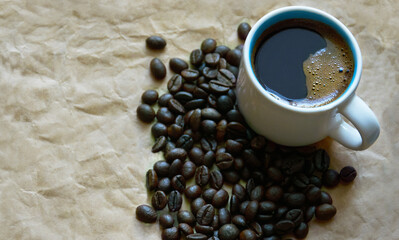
[{"x": 207, "y": 145}]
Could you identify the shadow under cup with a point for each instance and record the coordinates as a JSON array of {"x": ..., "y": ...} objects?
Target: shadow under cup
[{"x": 310, "y": 14}]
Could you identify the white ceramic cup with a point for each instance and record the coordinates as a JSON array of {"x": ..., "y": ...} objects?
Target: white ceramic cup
[{"x": 297, "y": 126}]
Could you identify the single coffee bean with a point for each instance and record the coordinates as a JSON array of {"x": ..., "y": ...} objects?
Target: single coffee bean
[
  {"x": 161, "y": 168},
  {"x": 325, "y": 211},
  {"x": 165, "y": 116},
  {"x": 348, "y": 174},
  {"x": 145, "y": 113},
  {"x": 258, "y": 176},
  {"x": 250, "y": 186},
  {"x": 257, "y": 193},
  {"x": 233, "y": 147},
  {"x": 227, "y": 77},
  {"x": 159, "y": 144},
  {"x": 274, "y": 174},
  {"x": 321, "y": 160},
  {"x": 220, "y": 198},
  {"x": 236, "y": 130},
  {"x": 268, "y": 230},
  {"x": 202, "y": 175},
  {"x": 204, "y": 229},
  {"x": 196, "y": 205},
  {"x": 274, "y": 193},
  {"x": 174, "y": 201},
  {"x": 292, "y": 164},
  {"x": 224, "y": 104},
  {"x": 155, "y": 42},
  {"x": 196, "y": 57},
  {"x": 224, "y": 160},
  {"x": 243, "y": 30},
  {"x": 188, "y": 169},
  {"x": 208, "y": 127},
  {"x": 159, "y": 200},
  {"x": 175, "y": 83},
  {"x": 239, "y": 221},
  {"x": 170, "y": 234},
  {"x": 233, "y": 57},
  {"x": 280, "y": 213},
  {"x": 215, "y": 222},
  {"x": 313, "y": 194},
  {"x": 300, "y": 180},
  {"x": 248, "y": 234},
  {"x": 232, "y": 69},
  {"x": 207, "y": 72},
  {"x": 208, "y": 194},
  {"x": 164, "y": 99},
  {"x": 330, "y": 178},
  {"x": 184, "y": 96},
  {"x": 197, "y": 236},
  {"x": 204, "y": 86},
  {"x": 257, "y": 229},
  {"x": 151, "y": 180},
  {"x": 211, "y": 114},
  {"x": 228, "y": 232},
  {"x": 234, "y": 204},
  {"x": 190, "y": 75},
  {"x": 176, "y": 107},
  {"x": 185, "y": 229},
  {"x": 149, "y": 97},
  {"x": 267, "y": 207},
  {"x": 216, "y": 179},
  {"x": 222, "y": 63},
  {"x": 315, "y": 181},
  {"x": 175, "y": 131},
  {"x": 195, "y": 119},
  {"x": 309, "y": 213},
  {"x": 209, "y": 159},
  {"x": 325, "y": 198},
  {"x": 177, "y": 153},
  {"x": 179, "y": 120},
  {"x": 231, "y": 176},
  {"x": 166, "y": 220},
  {"x": 218, "y": 87},
  {"x": 284, "y": 227},
  {"x": 175, "y": 168},
  {"x": 200, "y": 93},
  {"x": 222, "y": 50},
  {"x": 211, "y": 100},
  {"x": 164, "y": 185},
  {"x": 221, "y": 129},
  {"x": 185, "y": 141},
  {"x": 195, "y": 103},
  {"x": 145, "y": 213},
  {"x": 301, "y": 231},
  {"x": 178, "y": 183},
  {"x": 251, "y": 210},
  {"x": 239, "y": 191},
  {"x": 193, "y": 191},
  {"x": 296, "y": 199},
  {"x": 184, "y": 216},
  {"x": 169, "y": 147},
  {"x": 196, "y": 155},
  {"x": 157, "y": 68},
  {"x": 238, "y": 164},
  {"x": 159, "y": 129},
  {"x": 212, "y": 59},
  {"x": 205, "y": 214},
  {"x": 295, "y": 215},
  {"x": 224, "y": 216},
  {"x": 177, "y": 65},
  {"x": 243, "y": 207},
  {"x": 208, "y": 45}
]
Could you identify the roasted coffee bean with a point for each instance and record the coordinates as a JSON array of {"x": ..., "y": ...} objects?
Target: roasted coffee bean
[
  {"x": 208, "y": 127},
  {"x": 177, "y": 65},
  {"x": 177, "y": 153},
  {"x": 185, "y": 229},
  {"x": 280, "y": 213},
  {"x": 284, "y": 227},
  {"x": 274, "y": 174},
  {"x": 202, "y": 175},
  {"x": 197, "y": 236},
  {"x": 325, "y": 198},
  {"x": 196, "y": 204},
  {"x": 195, "y": 119},
  {"x": 196, "y": 103},
  {"x": 248, "y": 234},
  {"x": 169, "y": 146},
  {"x": 211, "y": 114},
  {"x": 159, "y": 129},
  {"x": 224, "y": 160},
  {"x": 151, "y": 179},
  {"x": 300, "y": 180},
  {"x": 184, "y": 216},
  {"x": 227, "y": 77},
  {"x": 258, "y": 176},
  {"x": 193, "y": 191},
  {"x": 295, "y": 215},
  {"x": 178, "y": 183},
  {"x": 216, "y": 179},
  {"x": 204, "y": 229},
  {"x": 301, "y": 231},
  {"x": 224, "y": 104},
  {"x": 164, "y": 185},
  {"x": 175, "y": 83},
  {"x": 176, "y": 107},
  {"x": 166, "y": 220},
  {"x": 190, "y": 75},
  {"x": 188, "y": 169},
  {"x": 251, "y": 159},
  {"x": 175, "y": 131},
  {"x": 183, "y": 97},
  {"x": 221, "y": 129},
  {"x": 231, "y": 176},
  {"x": 170, "y": 234},
  {"x": 161, "y": 168},
  {"x": 157, "y": 68},
  {"x": 207, "y": 145},
  {"x": 215, "y": 222},
  {"x": 313, "y": 194},
  {"x": 222, "y": 63},
  {"x": 196, "y": 57},
  {"x": 208, "y": 194},
  {"x": 212, "y": 59},
  {"x": 218, "y": 87},
  {"x": 165, "y": 116},
  {"x": 257, "y": 228},
  {"x": 239, "y": 221},
  {"x": 268, "y": 230},
  {"x": 220, "y": 198},
  {"x": 149, "y": 97},
  {"x": 145, "y": 113},
  {"x": 238, "y": 163},
  {"x": 145, "y": 213},
  {"x": 209, "y": 159},
  {"x": 204, "y": 86},
  {"x": 309, "y": 213},
  {"x": 200, "y": 93},
  {"x": 258, "y": 143},
  {"x": 234, "y": 204},
  {"x": 211, "y": 100},
  {"x": 315, "y": 181},
  {"x": 159, "y": 144},
  {"x": 179, "y": 120},
  {"x": 228, "y": 232},
  {"x": 222, "y": 50},
  {"x": 295, "y": 199},
  {"x": 274, "y": 193},
  {"x": 257, "y": 193},
  {"x": 243, "y": 207},
  {"x": 250, "y": 185},
  {"x": 155, "y": 42},
  {"x": 190, "y": 87},
  {"x": 321, "y": 160},
  {"x": 243, "y": 30},
  {"x": 175, "y": 168},
  {"x": 164, "y": 99},
  {"x": 207, "y": 72},
  {"x": 239, "y": 191},
  {"x": 232, "y": 69},
  {"x": 251, "y": 210},
  {"x": 330, "y": 178},
  {"x": 234, "y": 147},
  {"x": 205, "y": 214},
  {"x": 325, "y": 211},
  {"x": 224, "y": 216},
  {"x": 236, "y": 130},
  {"x": 174, "y": 201},
  {"x": 185, "y": 141},
  {"x": 196, "y": 155},
  {"x": 208, "y": 45},
  {"x": 233, "y": 57},
  {"x": 348, "y": 174}
]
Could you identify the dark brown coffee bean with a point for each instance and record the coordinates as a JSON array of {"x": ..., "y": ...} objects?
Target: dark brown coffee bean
[
  {"x": 211, "y": 114},
  {"x": 155, "y": 42},
  {"x": 164, "y": 185},
  {"x": 224, "y": 160},
  {"x": 204, "y": 229},
  {"x": 250, "y": 185},
  {"x": 145, "y": 113},
  {"x": 208, "y": 127},
  {"x": 193, "y": 191},
  {"x": 251, "y": 159},
  {"x": 315, "y": 181},
  {"x": 190, "y": 75},
  {"x": 234, "y": 204},
  {"x": 257, "y": 229},
  {"x": 313, "y": 194},
  {"x": 175, "y": 168},
  {"x": 221, "y": 129},
  {"x": 204, "y": 86},
  {"x": 295, "y": 199},
  {"x": 222, "y": 50},
  {"x": 159, "y": 129},
  {"x": 177, "y": 65},
  {"x": 258, "y": 193},
  {"x": 157, "y": 68},
  {"x": 228, "y": 232},
  {"x": 243, "y": 30},
  {"x": 212, "y": 59},
  {"x": 330, "y": 178},
  {"x": 145, "y": 213},
  {"x": 215, "y": 222},
  {"x": 178, "y": 183},
  {"x": 301, "y": 231},
  {"x": 325, "y": 198},
  {"x": 175, "y": 131},
  {"x": 231, "y": 176},
  {"x": 293, "y": 163},
  {"x": 183, "y": 97},
  {"x": 205, "y": 214},
  {"x": 174, "y": 201},
  {"x": 175, "y": 83},
  {"x": 220, "y": 198},
  {"x": 321, "y": 160},
  {"x": 196, "y": 155},
  {"x": 239, "y": 221},
  {"x": 169, "y": 146},
  {"x": 239, "y": 191},
  {"x": 300, "y": 180},
  {"x": 295, "y": 215},
  {"x": 208, "y": 194},
  {"x": 258, "y": 143},
  {"x": 234, "y": 115},
  {"x": 166, "y": 220},
  {"x": 185, "y": 141},
  {"x": 251, "y": 210},
  {"x": 236, "y": 130},
  {"x": 196, "y": 204},
  {"x": 274, "y": 174},
  {"x": 149, "y": 97},
  {"x": 309, "y": 213},
  {"x": 274, "y": 193},
  {"x": 208, "y": 45},
  {"x": 200, "y": 93},
  {"x": 224, "y": 104},
  {"x": 218, "y": 87},
  {"x": 348, "y": 174},
  {"x": 233, "y": 147},
  {"x": 243, "y": 207},
  {"x": 170, "y": 234},
  {"x": 209, "y": 159},
  {"x": 196, "y": 57},
  {"x": 284, "y": 227},
  {"x": 185, "y": 229},
  {"x": 325, "y": 211},
  {"x": 195, "y": 120},
  {"x": 211, "y": 100},
  {"x": 227, "y": 77},
  {"x": 233, "y": 57},
  {"x": 222, "y": 63},
  {"x": 177, "y": 153},
  {"x": 196, "y": 103},
  {"x": 179, "y": 120},
  {"x": 202, "y": 175},
  {"x": 162, "y": 168},
  {"x": 176, "y": 107},
  {"x": 165, "y": 116},
  {"x": 164, "y": 99},
  {"x": 189, "y": 87},
  {"x": 268, "y": 230},
  {"x": 197, "y": 236},
  {"x": 280, "y": 213},
  {"x": 216, "y": 179},
  {"x": 159, "y": 144},
  {"x": 188, "y": 169},
  {"x": 248, "y": 234},
  {"x": 258, "y": 176},
  {"x": 207, "y": 72},
  {"x": 224, "y": 216},
  {"x": 151, "y": 180},
  {"x": 184, "y": 216}
]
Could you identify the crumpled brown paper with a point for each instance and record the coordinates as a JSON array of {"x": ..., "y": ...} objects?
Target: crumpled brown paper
[{"x": 73, "y": 155}]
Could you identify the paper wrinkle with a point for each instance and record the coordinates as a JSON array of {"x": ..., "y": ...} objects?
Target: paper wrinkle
[{"x": 73, "y": 155}]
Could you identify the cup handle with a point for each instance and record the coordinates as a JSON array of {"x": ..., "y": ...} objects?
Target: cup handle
[{"x": 367, "y": 128}]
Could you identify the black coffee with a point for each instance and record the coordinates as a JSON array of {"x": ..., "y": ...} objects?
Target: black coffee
[{"x": 303, "y": 62}]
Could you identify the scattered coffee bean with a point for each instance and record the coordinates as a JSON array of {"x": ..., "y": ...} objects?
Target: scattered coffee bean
[
  {"x": 205, "y": 214},
  {"x": 295, "y": 215},
  {"x": 204, "y": 229},
  {"x": 175, "y": 83},
  {"x": 193, "y": 191},
  {"x": 220, "y": 198},
  {"x": 188, "y": 169},
  {"x": 268, "y": 230},
  {"x": 208, "y": 45},
  {"x": 178, "y": 183},
  {"x": 274, "y": 193},
  {"x": 155, "y": 42},
  {"x": 170, "y": 234},
  {"x": 166, "y": 220},
  {"x": 159, "y": 200},
  {"x": 216, "y": 179},
  {"x": 177, "y": 65},
  {"x": 243, "y": 30},
  {"x": 313, "y": 194},
  {"x": 159, "y": 144},
  {"x": 185, "y": 229},
  {"x": 202, "y": 175},
  {"x": 145, "y": 113},
  {"x": 176, "y": 153},
  {"x": 164, "y": 185},
  {"x": 257, "y": 193},
  {"x": 157, "y": 68},
  {"x": 228, "y": 232},
  {"x": 145, "y": 213},
  {"x": 284, "y": 227},
  {"x": 174, "y": 201},
  {"x": 184, "y": 216},
  {"x": 330, "y": 178},
  {"x": 348, "y": 174},
  {"x": 325, "y": 198},
  {"x": 224, "y": 160},
  {"x": 207, "y": 72},
  {"x": 325, "y": 211},
  {"x": 149, "y": 97},
  {"x": 322, "y": 160},
  {"x": 234, "y": 57},
  {"x": 248, "y": 234},
  {"x": 301, "y": 231},
  {"x": 212, "y": 59},
  {"x": 208, "y": 194},
  {"x": 151, "y": 180},
  {"x": 224, "y": 216},
  {"x": 222, "y": 50},
  {"x": 196, "y": 57},
  {"x": 251, "y": 210},
  {"x": 309, "y": 213},
  {"x": 196, "y": 205}
]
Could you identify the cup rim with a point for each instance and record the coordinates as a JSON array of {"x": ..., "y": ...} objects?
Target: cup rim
[{"x": 344, "y": 31}]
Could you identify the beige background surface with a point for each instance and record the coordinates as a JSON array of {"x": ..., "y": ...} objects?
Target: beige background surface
[{"x": 72, "y": 153}]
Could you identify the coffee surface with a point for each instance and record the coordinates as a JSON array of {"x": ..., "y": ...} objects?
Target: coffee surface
[{"x": 303, "y": 62}]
